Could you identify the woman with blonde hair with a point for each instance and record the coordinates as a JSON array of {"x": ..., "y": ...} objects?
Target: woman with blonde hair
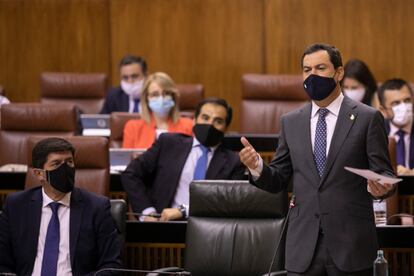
[{"x": 159, "y": 113}]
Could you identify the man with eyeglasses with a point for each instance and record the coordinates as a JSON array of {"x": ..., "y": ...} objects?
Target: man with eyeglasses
[{"x": 126, "y": 97}]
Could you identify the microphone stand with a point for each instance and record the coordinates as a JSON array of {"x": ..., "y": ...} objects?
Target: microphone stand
[{"x": 291, "y": 205}]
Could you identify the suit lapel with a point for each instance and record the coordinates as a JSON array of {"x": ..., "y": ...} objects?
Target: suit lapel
[
  {"x": 304, "y": 127},
  {"x": 217, "y": 163},
  {"x": 34, "y": 213},
  {"x": 183, "y": 145},
  {"x": 346, "y": 118},
  {"x": 76, "y": 210}
]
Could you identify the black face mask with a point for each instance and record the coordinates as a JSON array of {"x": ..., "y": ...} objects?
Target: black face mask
[
  {"x": 62, "y": 178},
  {"x": 207, "y": 134},
  {"x": 318, "y": 88}
]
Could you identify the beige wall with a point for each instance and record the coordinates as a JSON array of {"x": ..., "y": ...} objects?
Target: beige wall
[{"x": 212, "y": 42}]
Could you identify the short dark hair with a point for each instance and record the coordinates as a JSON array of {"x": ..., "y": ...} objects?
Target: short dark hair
[
  {"x": 334, "y": 54},
  {"x": 216, "y": 101},
  {"x": 358, "y": 70},
  {"x": 129, "y": 59},
  {"x": 46, "y": 146},
  {"x": 391, "y": 84}
]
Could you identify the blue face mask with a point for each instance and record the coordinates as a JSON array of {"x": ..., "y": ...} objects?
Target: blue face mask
[
  {"x": 161, "y": 105},
  {"x": 319, "y": 88}
]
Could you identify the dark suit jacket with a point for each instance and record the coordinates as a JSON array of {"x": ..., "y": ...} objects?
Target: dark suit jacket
[
  {"x": 338, "y": 202},
  {"x": 93, "y": 237},
  {"x": 152, "y": 178},
  {"x": 411, "y": 157},
  {"x": 116, "y": 101}
]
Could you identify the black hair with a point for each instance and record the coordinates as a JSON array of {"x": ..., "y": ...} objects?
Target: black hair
[
  {"x": 129, "y": 59},
  {"x": 358, "y": 70},
  {"x": 334, "y": 54},
  {"x": 391, "y": 84},
  {"x": 216, "y": 101},
  {"x": 46, "y": 146}
]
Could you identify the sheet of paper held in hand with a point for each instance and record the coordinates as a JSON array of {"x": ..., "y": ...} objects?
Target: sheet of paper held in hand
[{"x": 370, "y": 175}]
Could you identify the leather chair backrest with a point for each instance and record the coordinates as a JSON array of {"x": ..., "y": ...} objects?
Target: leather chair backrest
[
  {"x": 87, "y": 91},
  {"x": 91, "y": 162},
  {"x": 265, "y": 98},
  {"x": 2, "y": 93},
  {"x": 233, "y": 228},
  {"x": 118, "y": 212},
  {"x": 19, "y": 121},
  {"x": 190, "y": 96},
  {"x": 117, "y": 123}
]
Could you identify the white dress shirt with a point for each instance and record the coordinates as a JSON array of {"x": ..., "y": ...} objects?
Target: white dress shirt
[
  {"x": 63, "y": 266},
  {"x": 407, "y": 139},
  {"x": 330, "y": 119},
  {"x": 182, "y": 194}
]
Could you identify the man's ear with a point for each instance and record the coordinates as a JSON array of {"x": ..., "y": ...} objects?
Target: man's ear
[
  {"x": 40, "y": 174},
  {"x": 385, "y": 112},
  {"x": 341, "y": 73}
]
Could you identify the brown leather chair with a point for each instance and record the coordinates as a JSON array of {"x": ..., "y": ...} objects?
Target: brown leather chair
[
  {"x": 119, "y": 119},
  {"x": 2, "y": 93},
  {"x": 87, "y": 91},
  {"x": 190, "y": 96},
  {"x": 91, "y": 162},
  {"x": 265, "y": 98},
  {"x": 19, "y": 121},
  {"x": 117, "y": 124}
]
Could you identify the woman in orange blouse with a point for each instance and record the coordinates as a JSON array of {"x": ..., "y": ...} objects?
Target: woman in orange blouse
[{"x": 159, "y": 113}]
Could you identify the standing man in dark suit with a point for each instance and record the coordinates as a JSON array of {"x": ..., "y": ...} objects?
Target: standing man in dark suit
[
  {"x": 331, "y": 228},
  {"x": 396, "y": 103},
  {"x": 126, "y": 97},
  {"x": 158, "y": 181},
  {"x": 57, "y": 229}
]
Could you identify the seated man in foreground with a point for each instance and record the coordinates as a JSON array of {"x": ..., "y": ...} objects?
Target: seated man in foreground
[
  {"x": 158, "y": 181},
  {"x": 57, "y": 229}
]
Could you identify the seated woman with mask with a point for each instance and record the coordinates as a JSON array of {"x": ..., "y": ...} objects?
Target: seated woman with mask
[
  {"x": 159, "y": 113},
  {"x": 359, "y": 84}
]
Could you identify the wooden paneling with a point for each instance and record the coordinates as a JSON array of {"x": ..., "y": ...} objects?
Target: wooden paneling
[
  {"x": 212, "y": 42},
  {"x": 49, "y": 35},
  {"x": 379, "y": 32}
]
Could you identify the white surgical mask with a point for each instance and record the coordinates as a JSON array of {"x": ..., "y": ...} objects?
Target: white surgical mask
[
  {"x": 403, "y": 114},
  {"x": 132, "y": 89},
  {"x": 355, "y": 94},
  {"x": 161, "y": 105}
]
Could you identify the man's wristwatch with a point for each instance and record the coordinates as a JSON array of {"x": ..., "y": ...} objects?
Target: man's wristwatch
[{"x": 183, "y": 210}]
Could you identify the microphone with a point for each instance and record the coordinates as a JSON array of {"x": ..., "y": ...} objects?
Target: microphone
[
  {"x": 149, "y": 272},
  {"x": 291, "y": 205}
]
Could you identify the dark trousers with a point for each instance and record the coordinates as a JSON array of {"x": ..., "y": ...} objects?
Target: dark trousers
[{"x": 322, "y": 264}]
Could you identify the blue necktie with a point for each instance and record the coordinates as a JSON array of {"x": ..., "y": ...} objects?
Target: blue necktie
[
  {"x": 401, "y": 148},
  {"x": 201, "y": 165},
  {"x": 51, "y": 250},
  {"x": 320, "y": 141},
  {"x": 136, "y": 105}
]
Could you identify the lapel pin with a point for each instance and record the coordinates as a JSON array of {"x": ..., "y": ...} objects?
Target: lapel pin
[{"x": 352, "y": 117}]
